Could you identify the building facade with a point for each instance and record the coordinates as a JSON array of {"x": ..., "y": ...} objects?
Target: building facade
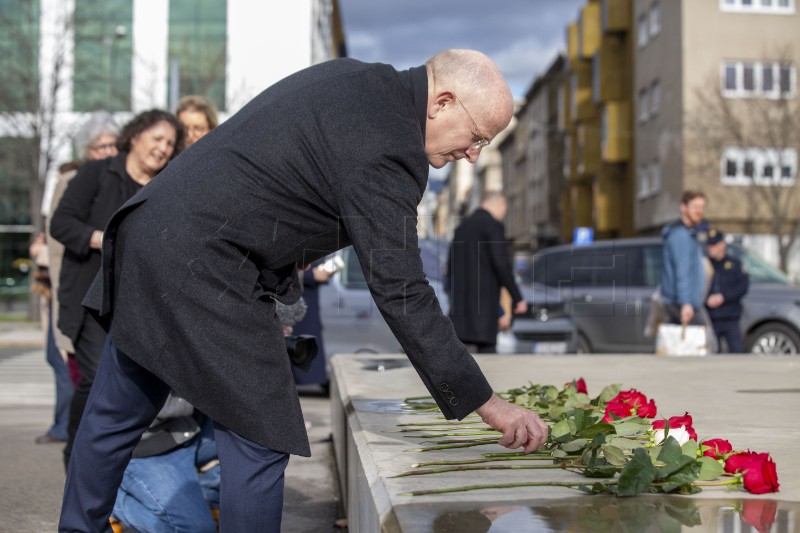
[{"x": 63, "y": 59}]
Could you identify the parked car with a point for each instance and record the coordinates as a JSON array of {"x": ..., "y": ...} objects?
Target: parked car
[
  {"x": 545, "y": 328},
  {"x": 350, "y": 317},
  {"x": 606, "y": 288}
]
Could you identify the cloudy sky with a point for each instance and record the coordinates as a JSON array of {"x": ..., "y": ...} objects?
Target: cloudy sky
[{"x": 522, "y": 36}]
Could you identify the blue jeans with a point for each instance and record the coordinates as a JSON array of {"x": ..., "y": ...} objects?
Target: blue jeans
[
  {"x": 165, "y": 493},
  {"x": 63, "y": 388}
]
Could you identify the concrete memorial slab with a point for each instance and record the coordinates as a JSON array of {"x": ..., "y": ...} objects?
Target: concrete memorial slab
[{"x": 752, "y": 401}]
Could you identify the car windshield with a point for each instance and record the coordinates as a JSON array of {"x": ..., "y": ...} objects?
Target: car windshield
[{"x": 758, "y": 270}]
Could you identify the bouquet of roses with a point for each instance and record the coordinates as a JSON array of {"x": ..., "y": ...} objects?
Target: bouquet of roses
[{"x": 609, "y": 439}]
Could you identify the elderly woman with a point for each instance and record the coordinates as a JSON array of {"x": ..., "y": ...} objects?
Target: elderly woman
[
  {"x": 146, "y": 144},
  {"x": 96, "y": 139}
]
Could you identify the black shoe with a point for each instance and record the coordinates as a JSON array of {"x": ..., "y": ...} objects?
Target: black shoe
[{"x": 48, "y": 439}]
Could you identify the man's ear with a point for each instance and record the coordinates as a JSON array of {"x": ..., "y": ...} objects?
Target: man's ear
[{"x": 439, "y": 102}]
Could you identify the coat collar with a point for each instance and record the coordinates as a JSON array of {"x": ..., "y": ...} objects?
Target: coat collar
[{"x": 417, "y": 82}]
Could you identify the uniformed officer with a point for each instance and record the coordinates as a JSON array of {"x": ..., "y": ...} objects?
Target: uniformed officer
[{"x": 728, "y": 287}]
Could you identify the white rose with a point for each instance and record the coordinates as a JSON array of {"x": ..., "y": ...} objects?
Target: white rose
[{"x": 679, "y": 434}]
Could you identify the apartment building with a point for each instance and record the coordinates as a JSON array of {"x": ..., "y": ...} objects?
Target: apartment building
[
  {"x": 532, "y": 159},
  {"x": 63, "y": 59}
]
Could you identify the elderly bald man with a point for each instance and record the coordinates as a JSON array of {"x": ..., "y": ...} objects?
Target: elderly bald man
[{"x": 336, "y": 154}]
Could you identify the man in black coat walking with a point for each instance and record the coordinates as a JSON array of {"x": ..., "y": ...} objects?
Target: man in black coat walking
[
  {"x": 479, "y": 266},
  {"x": 333, "y": 155}
]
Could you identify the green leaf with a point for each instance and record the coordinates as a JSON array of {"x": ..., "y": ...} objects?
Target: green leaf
[
  {"x": 558, "y": 453},
  {"x": 608, "y": 392},
  {"x": 710, "y": 469},
  {"x": 672, "y": 457},
  {"x": 684, "y": 476},
  {"x": 637, "y": 475},
  {"x": 560, "y": 429},
  {"x": 690, "y": 448},
  {"x": 600, "y": 428},
  {"x": 600, "y": 471},
  {"x": 629, "y": 427},
  {"x": 574, "y": 445},
  {"x": 556, "y": 412},
  {"x": 614, "y": 455},
  {"x": 625, "y": 444}
]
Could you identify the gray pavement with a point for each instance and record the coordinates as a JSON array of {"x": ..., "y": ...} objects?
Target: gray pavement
[{"x": 32, "y": 476}]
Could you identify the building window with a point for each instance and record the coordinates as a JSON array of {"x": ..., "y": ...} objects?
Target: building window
[
  {"x": 758, "y": 166},
  {"x": 103, "y": 55},
  {"x": 644, "y": 182},
  {"x": 655, "y": 177},
  {"x": 774, "y": 7},
  {"x": 15, "y": 171},
  {"x": 655, "y": 19},
  {"x": 643, "y": 107},
  {"x": 19, "y": 55},
  {"x": 198, "y": 42},
  {"x": 767, "y": 79},
  {"x": 655, "y": 98},
  {"x": 643, "y": 31}
]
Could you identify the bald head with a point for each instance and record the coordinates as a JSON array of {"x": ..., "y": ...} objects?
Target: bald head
[{"x": 478, "y": 82}]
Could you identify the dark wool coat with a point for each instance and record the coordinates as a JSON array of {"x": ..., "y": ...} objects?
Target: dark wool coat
[
  {"x": 91, "y": 198},
  {"x": 329, "y": 156},
  {"x": 479, "y": 265}
]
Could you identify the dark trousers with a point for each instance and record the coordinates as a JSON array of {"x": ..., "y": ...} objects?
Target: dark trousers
[
  {"x": 478, "y": 347},
  {"x": 731, "y": 331},
  {"x": 64, "y": 390},
  {"x": 88, "y": 351},
  {"x": 124, "y": 400}
]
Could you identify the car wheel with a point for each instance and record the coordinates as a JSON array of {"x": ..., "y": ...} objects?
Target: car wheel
[
  {"x": 583, "y": 345},
  {"x": 773, "y": 338}
]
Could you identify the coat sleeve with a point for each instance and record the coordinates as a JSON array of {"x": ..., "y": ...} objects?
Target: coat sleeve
[
  {"x": 379, "y": 210},
  {"x": 70, "y": 225}
]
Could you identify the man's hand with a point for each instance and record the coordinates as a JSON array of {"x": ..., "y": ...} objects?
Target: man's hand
[
  {"x": 715, "y": 300},
  {"x": 521, "y": 308},
  {"x": 519, "y": 426},
  {"x": 504, "y": 322},
  {"x": 687, "y": 313}
]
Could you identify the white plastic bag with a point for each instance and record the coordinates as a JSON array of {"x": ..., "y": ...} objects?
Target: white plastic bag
[{"x": 676, "y": 339}]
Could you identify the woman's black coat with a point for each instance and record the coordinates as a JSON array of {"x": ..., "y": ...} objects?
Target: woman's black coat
[
  {"x": 330, "y": 156},
  {"x": 91, "y": 198}
]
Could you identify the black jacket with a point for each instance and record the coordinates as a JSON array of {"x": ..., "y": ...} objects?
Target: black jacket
[
  {"x": 92, "y": 196},
  {"x": 329, "y": 156},
  {"x": 479, "y": 265},
  {"x": 732, "y": 282}
]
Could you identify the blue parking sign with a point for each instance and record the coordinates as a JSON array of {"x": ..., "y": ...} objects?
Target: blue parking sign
[{"x": 583, "y": 236}]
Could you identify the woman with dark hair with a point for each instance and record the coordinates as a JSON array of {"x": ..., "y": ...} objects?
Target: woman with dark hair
[{"x": 146, "y": 144}]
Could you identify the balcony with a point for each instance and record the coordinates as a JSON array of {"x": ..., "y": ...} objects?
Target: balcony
[
  {"x": 617, "y": 15},
  {"x": 617, "y": 128}
]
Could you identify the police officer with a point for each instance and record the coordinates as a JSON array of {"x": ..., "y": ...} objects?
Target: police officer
[{"x": 728, "y": 287}]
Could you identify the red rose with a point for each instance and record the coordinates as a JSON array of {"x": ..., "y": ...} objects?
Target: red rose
[
  {"x": 759, "y": 513},
  {"x": 579, "y": 384},
  {"x": 760, "y": 475},
  {"x": 735, "y": 462},
  {"x": 627, "y": 403},
  {"x": 676, "y": 422},
  {"x": 717, "y": 448}
]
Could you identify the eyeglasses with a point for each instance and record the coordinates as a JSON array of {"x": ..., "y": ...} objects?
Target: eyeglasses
[
  {"x": 103, "y": 147},
  {"x": 482, "y": 141},
  {"x": 197, "y": 130}
]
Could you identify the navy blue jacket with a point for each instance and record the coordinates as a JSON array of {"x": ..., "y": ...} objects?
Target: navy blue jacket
[{"x": 732, "y": 282}]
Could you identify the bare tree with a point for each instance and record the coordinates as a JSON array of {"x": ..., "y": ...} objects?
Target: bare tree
[
  {"x": 764, "y": 125},
  {"x": 30, "y": 90}
]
